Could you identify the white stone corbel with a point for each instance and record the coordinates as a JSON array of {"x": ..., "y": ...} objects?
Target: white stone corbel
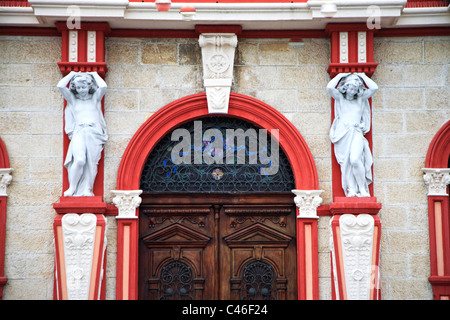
[
  {"x": 218, "y": 51},
  {"x": 5, "y": 180},
  {"x": 127, "y": 201},
  {"x": 307, "y": 201},
  {"x": 436, "y": 180}
]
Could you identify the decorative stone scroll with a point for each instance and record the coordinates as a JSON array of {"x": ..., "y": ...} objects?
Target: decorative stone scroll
[
  {"x": 436, "y": 181},
  {"x": 5, "y": 180},
  {"x": 218, "y": 60},
  {"x": 307, "y": 201},
  {"x": 127, "y": 201}
]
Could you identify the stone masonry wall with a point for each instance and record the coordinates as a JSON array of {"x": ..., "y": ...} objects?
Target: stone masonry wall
[{"x": 146, "y": 74}]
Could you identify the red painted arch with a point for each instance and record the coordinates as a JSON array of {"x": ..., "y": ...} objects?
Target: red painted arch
[
  {"x": 195, "y": 106},
  {"x": 439, "y": 150}
]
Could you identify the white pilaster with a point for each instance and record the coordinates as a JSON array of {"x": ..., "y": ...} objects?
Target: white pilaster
[
  {"x": 5, "y": 180},
  {"x": 91, "y": 45},
  {"x": 307, "y": 201},
  {"x": 218, "y": 61},
  {"x": 343, "y": 47},
  {"x": 73, "y": 46},
  {"x": 436, "y": 180},
  {"x": 127, "y": 201},
  {"x": 362, "y": 47}
]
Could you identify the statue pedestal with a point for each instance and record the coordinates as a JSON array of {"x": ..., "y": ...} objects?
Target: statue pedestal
[{"x": 355, "y": 205}]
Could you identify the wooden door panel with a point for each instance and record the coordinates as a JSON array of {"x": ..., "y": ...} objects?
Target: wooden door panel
[
  {"x": 217, "y": 251},
  {"x": 258, "y": 252},
  {"x": 175, "y": 253}
]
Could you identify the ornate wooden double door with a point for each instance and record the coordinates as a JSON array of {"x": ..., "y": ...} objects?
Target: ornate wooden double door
[{"x": 217, "y": 246}]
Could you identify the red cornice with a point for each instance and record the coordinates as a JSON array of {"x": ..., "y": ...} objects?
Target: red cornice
[{"x": 248, "y": 34}]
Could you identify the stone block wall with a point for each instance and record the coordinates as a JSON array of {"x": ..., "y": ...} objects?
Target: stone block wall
[{"x": 146, "y": 74}]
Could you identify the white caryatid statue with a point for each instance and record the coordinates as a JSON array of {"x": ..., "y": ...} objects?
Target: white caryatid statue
[
  {"x": 86, "y": 128},
  {"x": 351, "y": 123}
]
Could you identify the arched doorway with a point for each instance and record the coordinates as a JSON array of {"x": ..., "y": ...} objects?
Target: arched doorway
[
  {"x": 212, "y": 224},
  {"x": 146, "y": 139}
]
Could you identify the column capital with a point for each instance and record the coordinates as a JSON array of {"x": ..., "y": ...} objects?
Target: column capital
[
  {"x": 307, "y": 201},
  {"x": 436, "y": 180},
  {"x": 127, "y": 201},
  {"x": 5, "y": 180}
]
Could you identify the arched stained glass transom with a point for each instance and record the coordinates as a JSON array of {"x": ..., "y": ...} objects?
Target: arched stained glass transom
[{"x": 217, "y": 154}]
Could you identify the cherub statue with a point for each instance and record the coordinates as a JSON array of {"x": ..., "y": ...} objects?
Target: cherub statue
[
  {"x": 86, "y": 128},
  {"x": 351, "y": 123}
]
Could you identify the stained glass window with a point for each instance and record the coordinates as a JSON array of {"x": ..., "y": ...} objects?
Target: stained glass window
[{"x": 217, "y": 154}]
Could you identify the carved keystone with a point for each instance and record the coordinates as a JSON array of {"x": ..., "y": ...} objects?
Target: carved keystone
[{"x": 218, "y": 62}]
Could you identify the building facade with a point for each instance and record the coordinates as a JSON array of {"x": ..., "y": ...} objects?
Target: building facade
[{"x": 216, "y": 228}]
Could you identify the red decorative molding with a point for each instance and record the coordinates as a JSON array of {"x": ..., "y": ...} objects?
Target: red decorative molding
[
  {"x": 426, "y": 3},
  {"x": 99, "y": 67},
  {"x": 352, "y": 205},
  {"x": 15, "y": 3},
  {"x": 336, "y": 68},
  {"x": 439, "y": 150}
]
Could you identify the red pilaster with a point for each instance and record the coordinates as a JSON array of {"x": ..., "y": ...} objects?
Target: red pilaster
[
  {"x": 83, "y": 50},
  {"x": 351, "y": 51},
  {"x": 307, "y": 259}
]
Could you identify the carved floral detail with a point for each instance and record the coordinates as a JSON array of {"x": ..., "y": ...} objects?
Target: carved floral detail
[
  {"x": 436, "y": 181},
  {"x": 218, "y": 58},
  {"x": 307, "y": 201},
  {"x": 127, "y": 201},
  {"x": 79, "y": 236},
  {"x": 357, "y": 242}
]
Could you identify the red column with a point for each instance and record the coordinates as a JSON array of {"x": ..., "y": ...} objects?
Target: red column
[
  {"x": 83, "y": 50},
  {"x": 352, "y": 51}
]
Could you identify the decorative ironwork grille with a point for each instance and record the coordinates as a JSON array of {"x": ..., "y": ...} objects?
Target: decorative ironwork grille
[
  {"x": 258, "y": 282},
  {"x": 176, "y": 282},
  {"x": 161, "y": 174}
]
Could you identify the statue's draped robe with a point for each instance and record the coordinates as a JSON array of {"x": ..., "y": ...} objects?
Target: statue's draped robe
[
  {"x": 342, "y": 136},
  {"x": 92, "y": 137}
]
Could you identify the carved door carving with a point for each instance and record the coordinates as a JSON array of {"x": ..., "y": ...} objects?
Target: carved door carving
[{"x": 209, "y": 246}]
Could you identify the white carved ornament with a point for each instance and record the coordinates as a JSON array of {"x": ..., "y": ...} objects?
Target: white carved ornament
[
  {"x": 5, "y": 180},
  {"x": 79, "y": 238},
  {"x": 307, "y": 201},
  {"x": 436, "y": 181},
  {"x": 357, "y": 245},
  {"x": 218, "y": 59},
  {"x": 127, "y": 201}
]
